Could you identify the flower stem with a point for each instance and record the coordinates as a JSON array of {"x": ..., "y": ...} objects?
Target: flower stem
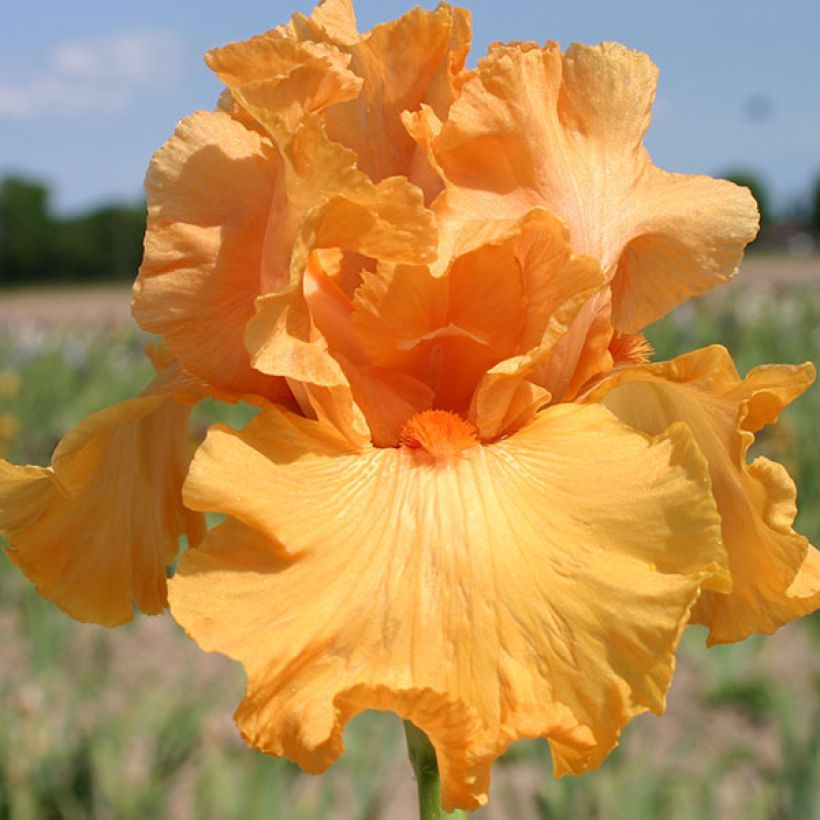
[{"x": 423, "y": 757}]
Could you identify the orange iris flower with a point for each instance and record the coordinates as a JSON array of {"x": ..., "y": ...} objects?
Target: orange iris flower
[{"x": 468, "y": 497}]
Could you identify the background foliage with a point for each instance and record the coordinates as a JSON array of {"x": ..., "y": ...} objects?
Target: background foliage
[{"x": 36, "y": 246}]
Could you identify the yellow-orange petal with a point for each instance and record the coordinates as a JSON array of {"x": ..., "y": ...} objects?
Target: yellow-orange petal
[
  {"x": 344, "y": 210},
  {"x": 96, "y": 531},
  {"x": 683, "y": 235},
  {"x": 806, "y": 583},
  {"x": 537, "y": 128},
  {"x": 335, "y": 18},
  {"x": 500, "y": 593},
  {"x": 557, "y": 286},
  {"x": 232, "y": 223},
  {"x": 387, "y": 399},
  {"x": 414, "y": 61},
  {"x": 332, "y": 21},
  {"x": 756, "y": 501},
  {"x": 279, "y": 80},
  {"x": 499, "y": 309},
  {"x": 505, "y": 398},
  {"x": 210, "y": 190},
  {"x": 405, "y": 63},
  {"x": 582, "y": 353}
]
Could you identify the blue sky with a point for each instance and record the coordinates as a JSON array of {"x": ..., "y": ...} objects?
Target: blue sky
[{"x": 89, "y": 89}]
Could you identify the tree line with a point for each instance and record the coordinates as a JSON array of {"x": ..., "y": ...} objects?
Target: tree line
[
  {"x": 36, "y": 246},
  {"x": 105, "y": 244}
]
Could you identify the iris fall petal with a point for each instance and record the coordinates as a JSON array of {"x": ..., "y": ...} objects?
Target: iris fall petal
[
  {"x": 473, "y": 595},
  {"x": 96, "y": 531},
  {"x": 773, "y": 567}
]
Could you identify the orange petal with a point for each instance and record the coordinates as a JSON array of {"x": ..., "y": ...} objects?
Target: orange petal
[
  {"x": 685, "y": 234},
  {"x": 347, "y": 211},
  {"x": 583, "y": 353},
  {"x": 332, "y": 21},
  {"x": 226, "y": 228},
  {"x": 806, "y": 583},
  {"x": 210, "y": 189},
  {"x": 506, "y": 399},
  {"x": 387, "y": 399},
  {"x": 556, "y": 286},
  {"x": 96, "y": 531},
  {"x": 405, "y": 63},
  {"x": 756, "y": 501},
  {"x": 279, "y": 80},
  {"x": 474, "y": 595},
  {"x": 336, "y": 19},
  {"x": 535, "y": 128},
  {"x": 412, "y": 62},
  {"x": 514, "y": 297},
  {"x": 361, "y": 84}
]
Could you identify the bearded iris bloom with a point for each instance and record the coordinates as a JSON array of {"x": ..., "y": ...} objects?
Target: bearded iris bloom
[{"x": 469, "y": 496}]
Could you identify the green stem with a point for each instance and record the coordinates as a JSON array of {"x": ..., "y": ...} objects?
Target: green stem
[{"x": 423, "y": 757}]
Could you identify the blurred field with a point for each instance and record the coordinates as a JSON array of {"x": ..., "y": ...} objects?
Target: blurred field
[{"x": 136, "y": 723}]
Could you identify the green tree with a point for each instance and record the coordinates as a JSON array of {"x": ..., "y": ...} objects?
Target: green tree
[
  {"x": 103, "y": 244},
  {"x": 26, "y": 232}
]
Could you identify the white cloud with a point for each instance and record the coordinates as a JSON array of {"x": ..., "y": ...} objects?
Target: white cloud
[{"x": 100, "y": 74}]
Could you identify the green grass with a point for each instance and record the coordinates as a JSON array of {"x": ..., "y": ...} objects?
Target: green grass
[{"x": 135, "y": 722}]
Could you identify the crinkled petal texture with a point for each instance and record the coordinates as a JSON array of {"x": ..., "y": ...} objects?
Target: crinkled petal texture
[
  {"x": 232, "y": 220},
  {"x": 210, "y": 191},
  {"x": 405, "y": 63},
  {"x": 479, "y": 334},
  {"x": 536, "y": 586},
  {"x": 774, "y": 569},
  {"x": 537, "y": 128},
  {"x": 361, "y": 84},
  {"x": 282, "y": 79},
  {"x": 96, "y": 531}
]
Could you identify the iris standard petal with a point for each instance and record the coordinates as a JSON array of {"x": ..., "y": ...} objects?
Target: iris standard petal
[
  {"x": 279, "y": 80},
  {"x": 537, "y": 128},
  {"x": 416, "y": 60},
  {"x": 210, "y": 191}
]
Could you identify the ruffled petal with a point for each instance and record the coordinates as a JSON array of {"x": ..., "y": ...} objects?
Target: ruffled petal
[
  {"x": 337, "y": 19},
  {"x": 498, "y": 310},
  {"x": 96, "y": 531},
  {"x": 210, "y": 190},
  {"x": 556, "y": 287},
  {"x": 387, "y": 400},
  {"x": 405, "y": 63},
  {"x": 685, "y": 235},
  {"x": 772, "y": 565},
  {"x": 280, "y": 80},
  {"x": 535, "y": 128},
  {"x": 232, "y": 223},
  {"x": 501, "y": 593},
  {"x": 385, "y": 221},
  {"x": 806, "y": 583},
  {"x": 360, "y": 84},
  {"x": 583, "y": 353},
  {"x": 414, "y": 61}
]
